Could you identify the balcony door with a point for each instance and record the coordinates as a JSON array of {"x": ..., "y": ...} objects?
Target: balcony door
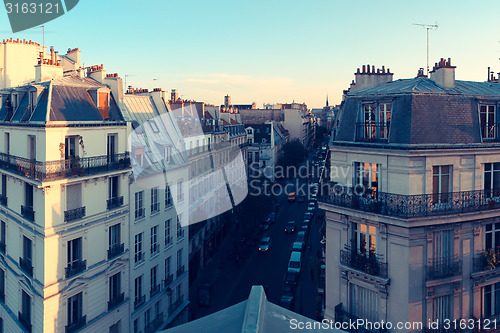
[
  {"x": 111, "y": 147},
  {"x": 73, "y": 196}
]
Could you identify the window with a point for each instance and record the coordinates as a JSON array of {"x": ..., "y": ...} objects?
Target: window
[
  {"x": 26, "y": 307},
  {"x": 111, "y": 148},
  {"x": 138, "y": 288},
  {"x": 3, "y": 200},
  {"x": 103, "y": 104},
  {"x": 113, "y": 187},
  {"x": 70, "y": 147},
  {"x": 375, "y": 125},
  {"x": 114, "y": 236},
  {"x": 139, "y": 209},
  {"x": 155, "y": 206},
  {"x": 28, "y": 195},
  {"x": 168, "y": 197},
  {"x": 385, "y": 120},
  {"x": 168, "y": 236},
  {"x": 491, "y": 300},
  {"x": 488, "y": 122},
  {"x": 364, "y": 303},
  {"x": 27, "y": 253},
  {"x": 32, "y": 147},
  {"x": 147, "y": 317},
  {"x": 74, "y": 252},
  {"x": 492, "y": 237},
  {"x": 73, "y": 196},
  {"x": 367, "y": 175},
  {"x": 441, "y": 183},
  {"x": 179, "y": 260},
  {"x": 180, "y": 229},
  {"x": 75, "y": 308},
  {"x": 2, "y": 286},
  {"x": 157, "y": 309},
  {"x": 154, "y": 240},
  {"x": 168, "y": 268},
  {"x": 365, "y": 239},
  {"x": 180, "y": 193},
  {"x": 139, "y": 257},
  {"x": 139, "y": 156},
  {"x": 3, "y": 236},
  {"x": 154, "y": 127},
  {"x": 114, "y": 286},
  {"x": 7, "y": 143},
  {"x": 136, "y": 325},
  {"x": 154, "y": 279},
  {"x": 492, "y": 180},
  {"x": 441, "y": 308}
]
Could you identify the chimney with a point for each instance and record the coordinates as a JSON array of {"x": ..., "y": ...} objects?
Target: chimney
[
  {"x": 97, "y": 73},
  {"x": 370, "y": 76},
  {"x": 443, "y": 74}
]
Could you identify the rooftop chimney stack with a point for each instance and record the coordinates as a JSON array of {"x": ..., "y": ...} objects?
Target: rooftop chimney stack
[
  {"x": 443, "y": 74},
  {"x": 370, "y": 76}
]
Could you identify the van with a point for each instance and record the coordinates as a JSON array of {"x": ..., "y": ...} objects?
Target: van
[{"x": 294, "y": 263}]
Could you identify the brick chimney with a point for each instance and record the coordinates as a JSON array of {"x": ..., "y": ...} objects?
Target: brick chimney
[
  {"x": 369, "y": 77},
  {"x": 443, "y": 74},
  {"x": 97, "y": 73}
]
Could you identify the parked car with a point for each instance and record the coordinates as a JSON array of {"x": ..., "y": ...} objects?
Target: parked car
[
  {"x": 294, "y": 264},
  {"x": 304, "y": 229},
  {"x": 308, "y": 216},
  {"x": 314, "y": 197},
  {"x": 264, "y": 244},
  {"x": 307, "y": 223},
  {"x": 272, "y": 217},
  {"x": 301, "y": 236},
  {"x": 298, "y": 247},
  {"x": 265, "y": 224},
  {"x": 291, "y": 278},
  {"x": 290, "y": 227},
  {"x": 311, "y": 207},
  {"x": 287, "y": 301}
]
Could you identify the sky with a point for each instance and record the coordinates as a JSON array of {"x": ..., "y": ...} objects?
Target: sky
[{"x": 271, "y": 51}]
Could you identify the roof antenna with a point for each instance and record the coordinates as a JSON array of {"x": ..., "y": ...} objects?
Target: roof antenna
[
  {"x": 427, "y": 27},
  {"x": 43, "y": 34}
]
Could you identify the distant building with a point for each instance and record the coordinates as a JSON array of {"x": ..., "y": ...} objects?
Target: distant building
[{"x": 412, "y": 219}]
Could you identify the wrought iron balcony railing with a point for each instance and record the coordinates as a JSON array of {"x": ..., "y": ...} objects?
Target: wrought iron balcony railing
[
  {"x": 486, "y": 260},
  {"x": 114, "y": 302},
  {"x": 168, "y": 280},
  {"x": 154, "y": 290},
  {"x": 114, "y": 202},
  {"x": 74, "y": 214},
  {"x": 77, "y": 324},
  {"x": 28, "y": 213},
  {"x": 342, "y": 316},
  {"x": 115, "y": 250},
  {"x": 75, "y": 268},
  {"x": 25, "y": 321},
  {"x": 371, "y": 264},
  {"x": 73, "y": 167},
  {"x": 3, "y": 200},
  {"x": 175, "y": 305},
  {"x": 26, "y": 266},
  {"x": 139, "y": 301},
  {"x": 407, "y": 206},
  {"x": 443, "y": 267},
  {"x": 180, "y": 270},
  {"x": 153, "y": 325},
  {"x": 372, "y": 132}
]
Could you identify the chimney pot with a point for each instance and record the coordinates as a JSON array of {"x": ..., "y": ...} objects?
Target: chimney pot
[{"x": 364, "y": 69}]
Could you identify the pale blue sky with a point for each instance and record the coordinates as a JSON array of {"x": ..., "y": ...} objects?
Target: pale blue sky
[{"x": 272, "y": 51}]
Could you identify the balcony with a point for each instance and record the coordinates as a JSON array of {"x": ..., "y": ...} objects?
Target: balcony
[
  {"x": 75, "y": 268},
  {"x": 342, "y": 316},
  {"x": 153, "y": 326},
  {"x": 175, "y": 305},
  {"x": 443, "y": 267},
  {"x": 115, "y": 250},
  {"x": 60, "y": 169},
  {"x": 139, "y": 213},
  {"x": 115, "y": 202},
  {"x": 180, "y": 270},
  {"x": 117, "y": 300},
  {"x": 407, "y": 206},
  {"x": 74, "y": 214},
  {"x": 139, "y": 301},
  {"x": 28, "y": 213},
  {"x": 168, "y": 280},
  {"x": 74, "y": 326},
  {"x": 154, "y": 290},
  {"x": 26, "y": 322},
  {"x": 372, "y": 131},
  {"x": 26, "y": 266},
  {"x": 370, "y": 265},
  {"x": 486, "y": 260},
  {"x": 3, "y": 200}
]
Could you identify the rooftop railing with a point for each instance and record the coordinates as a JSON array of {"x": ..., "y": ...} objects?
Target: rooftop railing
[
  {"x": 406, "y": 206},
  {"x": 68, "y": 168}
]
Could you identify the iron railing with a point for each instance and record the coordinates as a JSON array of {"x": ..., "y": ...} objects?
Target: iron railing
[
  {"x": 73, "y": 167},
  {"x": 75, "y": 268},
  {"x": 443, "y": 267},
  {"x": 154, "y": 290},
  {"x": 77, "y": 324},
  {"x": 25, "y": 321},
  {"x": 115, "y": 249},
  {"x": 168, "y": 280},
  {"x": 486, "y": 260},
  {"x": 115, "y": 301},
  {"x": 140, "y": 300},
  {"x": 28, "y": 213},
  {"x": 371, "y": 264},
  {"x": 175, "y": 305},
  {"x": 26, "y": 266},
  {"x": 342, "y": 316},
  {"x": 407, "y": 206},
  {"x": 74, "y": 214},
  {"x": 372, "y": 132},
  {"x": 153, "y": 325},
  {"x": 114, "y": 202},
  {"x": 180, "y": 270}
]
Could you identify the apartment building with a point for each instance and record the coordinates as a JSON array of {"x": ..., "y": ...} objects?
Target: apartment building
[
  {"x": 64, "y": 206},
  {"x": 412, "y": 206}
]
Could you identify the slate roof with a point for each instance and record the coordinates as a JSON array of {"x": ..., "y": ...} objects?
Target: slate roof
[{"x": 423, "y": 113}]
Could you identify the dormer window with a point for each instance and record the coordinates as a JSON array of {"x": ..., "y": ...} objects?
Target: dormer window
[
  {"x": 154, "y": 127},
  {"x": 139, "y": 155},
  {"x": 32, "y": 99},
  {"x": 375, "y": 122},
  {"x": 488, "y": 121},
  {"x": 103, "y": 104}
]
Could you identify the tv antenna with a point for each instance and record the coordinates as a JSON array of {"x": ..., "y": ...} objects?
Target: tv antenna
[
  {"x": 43, "y": 34},
  {"x": 427, "y": 27},
  {"x": 127, "y": 75}
]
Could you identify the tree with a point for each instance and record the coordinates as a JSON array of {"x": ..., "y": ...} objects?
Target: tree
[{"x": 293, "y": 154}]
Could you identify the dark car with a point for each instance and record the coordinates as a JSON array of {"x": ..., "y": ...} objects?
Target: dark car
[
  {"x": 301, "y": 236},
  {"x": 291, "y": 278},
  {"x": 287, "y": 300},
  {"x": 272, "y": 217},
  {"x": 290, "y": 227}
]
